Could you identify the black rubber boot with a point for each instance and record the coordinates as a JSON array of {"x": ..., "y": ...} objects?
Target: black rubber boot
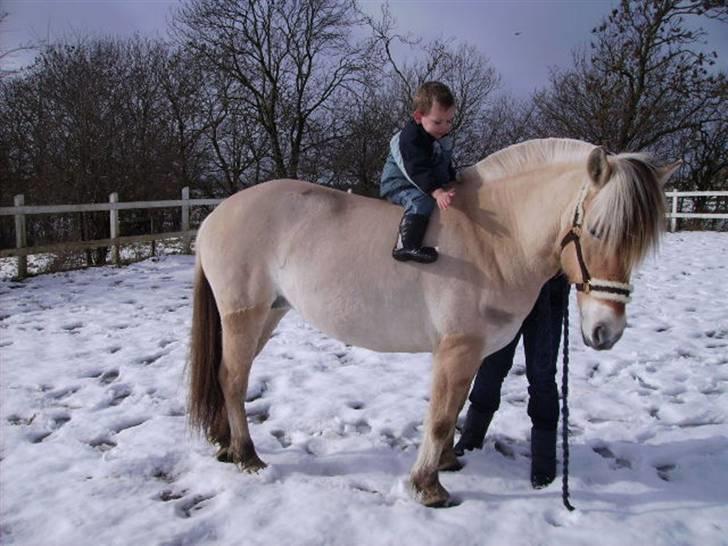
[
  {"x": 411, "y": 232},
  {"x": 473, "y": 433},
  {"x": 543, "y": 457}
]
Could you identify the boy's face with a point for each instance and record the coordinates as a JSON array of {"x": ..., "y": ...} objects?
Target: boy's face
[{"x": 438, "y": 121}]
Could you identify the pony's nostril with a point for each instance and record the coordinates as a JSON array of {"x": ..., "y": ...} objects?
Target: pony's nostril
[{"x": 599, "y": 335}]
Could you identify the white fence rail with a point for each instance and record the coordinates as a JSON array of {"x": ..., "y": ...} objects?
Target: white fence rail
[
  {"x": 20, "y": 211},
  {"x": 675, "y": 213}
]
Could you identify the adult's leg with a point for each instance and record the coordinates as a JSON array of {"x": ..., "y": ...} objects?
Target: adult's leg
[
  {"x": 541, "y": 332},
  {"x": 538, "y": 345},
  {"x": 485, "y": 397}
]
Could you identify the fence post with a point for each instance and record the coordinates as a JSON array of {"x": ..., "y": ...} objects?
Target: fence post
[
  {"x": 114, "y": 228},
  {"x": 673, "y": 220},
  {"x": 21, "y": 237},
  {"x": 186, "y": 246}
]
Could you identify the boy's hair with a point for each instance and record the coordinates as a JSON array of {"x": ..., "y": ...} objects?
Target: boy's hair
[{"x": 431, "y": 92}]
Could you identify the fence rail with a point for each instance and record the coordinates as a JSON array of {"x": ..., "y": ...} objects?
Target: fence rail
[
  {"x": 20, "y": 210},
  {"x": 22, "y": 250},
  {"x": 674, "y": 213}
]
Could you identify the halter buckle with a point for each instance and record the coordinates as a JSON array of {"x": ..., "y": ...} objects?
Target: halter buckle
[{"x": 586, "y": 286}]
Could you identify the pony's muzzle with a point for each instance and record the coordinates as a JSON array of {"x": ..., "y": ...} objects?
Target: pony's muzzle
[
  {"x": 602, "y": 337},
  {"x": 602, "y": 324}
]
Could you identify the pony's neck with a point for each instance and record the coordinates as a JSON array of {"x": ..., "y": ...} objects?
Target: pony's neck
[{"x": 521, "y": 217}]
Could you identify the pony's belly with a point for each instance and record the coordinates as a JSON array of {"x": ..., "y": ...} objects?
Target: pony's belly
[{"x": 390, "y": 333}]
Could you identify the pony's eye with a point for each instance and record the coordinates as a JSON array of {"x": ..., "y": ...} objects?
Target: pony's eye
[{"x": 594, "y": 233}]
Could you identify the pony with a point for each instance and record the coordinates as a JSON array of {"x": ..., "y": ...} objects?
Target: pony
[{"x": 518, "y": 217}]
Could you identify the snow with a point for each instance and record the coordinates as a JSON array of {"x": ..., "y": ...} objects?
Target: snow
[{"x": 95, "y": 448}]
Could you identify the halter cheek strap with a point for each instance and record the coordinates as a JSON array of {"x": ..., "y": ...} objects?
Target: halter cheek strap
[{"x": 598, "y": 288}]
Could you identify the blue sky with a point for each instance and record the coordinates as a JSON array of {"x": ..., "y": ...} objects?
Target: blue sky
[{"x": 522, "y": 38}]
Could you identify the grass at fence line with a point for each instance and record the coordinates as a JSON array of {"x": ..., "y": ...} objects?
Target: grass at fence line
[{"x": 39, "y": 264}]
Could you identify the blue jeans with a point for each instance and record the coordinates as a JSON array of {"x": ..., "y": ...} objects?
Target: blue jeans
[
  {"x": 541, "y": 333},
  {"x": 414, "y": 201}
]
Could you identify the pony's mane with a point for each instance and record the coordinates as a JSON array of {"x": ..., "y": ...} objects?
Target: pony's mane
[
  {"x": 627, "y": 214},
  {"x": 531, "y": 154}
]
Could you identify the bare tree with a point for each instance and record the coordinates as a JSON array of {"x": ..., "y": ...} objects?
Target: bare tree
[
  {"x": 288, "y": 61},
  {"x": 7, "y": 55},
  {"x": 644, "y": 80},
  {"x": 88, "y": 119},
  {"x": 461, "y": 66}
]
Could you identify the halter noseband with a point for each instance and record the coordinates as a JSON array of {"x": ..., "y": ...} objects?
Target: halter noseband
[{"x": 598, "y": 288}]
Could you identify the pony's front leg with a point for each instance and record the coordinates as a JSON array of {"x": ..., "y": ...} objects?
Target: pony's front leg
[{"x": 455, "y": 362}]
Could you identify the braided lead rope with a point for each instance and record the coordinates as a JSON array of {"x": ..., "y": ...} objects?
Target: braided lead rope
[{"x": 565, "y": 408}]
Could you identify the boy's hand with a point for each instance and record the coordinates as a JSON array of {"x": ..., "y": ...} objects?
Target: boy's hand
[{"x": 443, "y": 197}]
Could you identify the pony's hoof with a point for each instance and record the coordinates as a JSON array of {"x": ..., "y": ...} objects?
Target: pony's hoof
[
  {"x": 252, "y": 466},
  {"x": 434, "y": 496},
  {"x": 224, "y": 455}
]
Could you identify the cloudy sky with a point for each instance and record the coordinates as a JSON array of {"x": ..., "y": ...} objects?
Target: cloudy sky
[{"x": 522, "y": 38}]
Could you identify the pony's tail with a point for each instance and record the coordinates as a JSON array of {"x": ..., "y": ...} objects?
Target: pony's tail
[{"x": 206, "y": 402}]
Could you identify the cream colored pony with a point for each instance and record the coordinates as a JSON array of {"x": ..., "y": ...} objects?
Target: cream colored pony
[{"x": 516, "y": 220}]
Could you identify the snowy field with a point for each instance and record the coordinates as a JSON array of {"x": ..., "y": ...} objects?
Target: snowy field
[{"x": 95, "y": 450}]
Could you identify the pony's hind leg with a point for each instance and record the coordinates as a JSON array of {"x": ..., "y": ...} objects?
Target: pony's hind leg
[
  {"x": 455, "y": 363},
  {"x": 241, "y": 333},
  {"x": 274, "y": 317}
]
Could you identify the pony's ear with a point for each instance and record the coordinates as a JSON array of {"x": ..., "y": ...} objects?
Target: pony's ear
[
  {"x": 598, "y": 167},
  {"x": 666, "y": 171}
]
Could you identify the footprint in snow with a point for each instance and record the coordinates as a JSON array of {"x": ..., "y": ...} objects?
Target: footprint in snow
[
  {"x": 282, "y": 438},
  {"x": 102, "y": 444},
  {"x": 119, "y": 393},
  {"x": 257, "y": 390},
  {"x": 62, "y": 393},
  {"x": 616, "y": 462},
  {"x": 396, "y": 442},
  {"x": 150, "y": 359},
  {"x": 186, "y": 508},
  {"x": 72, "y": 328},
  {"x": 126, "y": 424},
  {"x": 664, "y": 471},
  {"x": 16, "y": 420},
  {"x": 167, "y": 495},
  {"x": 258, "y": 415},
  {"x": 56, "y": 422},
  {"x": 109, "y": 377},
  {"x": 360, "y": 427}
]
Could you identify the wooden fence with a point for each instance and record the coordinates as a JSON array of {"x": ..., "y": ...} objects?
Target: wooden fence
[
  {"x": 20, "y": 211},
  {"x": 675, "y": 213},
  {"x": 115, "y": 241}
]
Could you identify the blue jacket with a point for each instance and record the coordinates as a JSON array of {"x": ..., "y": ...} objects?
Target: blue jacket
[{"x": 417, "y": 159}]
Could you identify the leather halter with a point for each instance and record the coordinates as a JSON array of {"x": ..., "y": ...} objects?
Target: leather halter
[{"x": 598, "y": 288}]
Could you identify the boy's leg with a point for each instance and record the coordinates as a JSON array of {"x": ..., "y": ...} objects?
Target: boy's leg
[{"x": 418, "y": 207}]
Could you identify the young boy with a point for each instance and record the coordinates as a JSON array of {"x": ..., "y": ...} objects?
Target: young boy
[{"x": 418, "y": 168}]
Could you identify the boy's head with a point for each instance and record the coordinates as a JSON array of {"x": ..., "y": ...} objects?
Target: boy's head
[{"x": 434, "y": 107}]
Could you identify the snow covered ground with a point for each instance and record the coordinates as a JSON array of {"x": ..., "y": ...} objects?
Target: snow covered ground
[{"x": 95, "y": 450}]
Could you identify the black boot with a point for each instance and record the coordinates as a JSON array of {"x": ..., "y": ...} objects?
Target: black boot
[
  {"x": 473, "y": 433},
  {"x": 411, "y": 232},
  {"x": 543, "y": 457}
]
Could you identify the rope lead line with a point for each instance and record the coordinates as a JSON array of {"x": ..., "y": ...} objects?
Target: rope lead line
[{"x": 565, "y": 408}]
